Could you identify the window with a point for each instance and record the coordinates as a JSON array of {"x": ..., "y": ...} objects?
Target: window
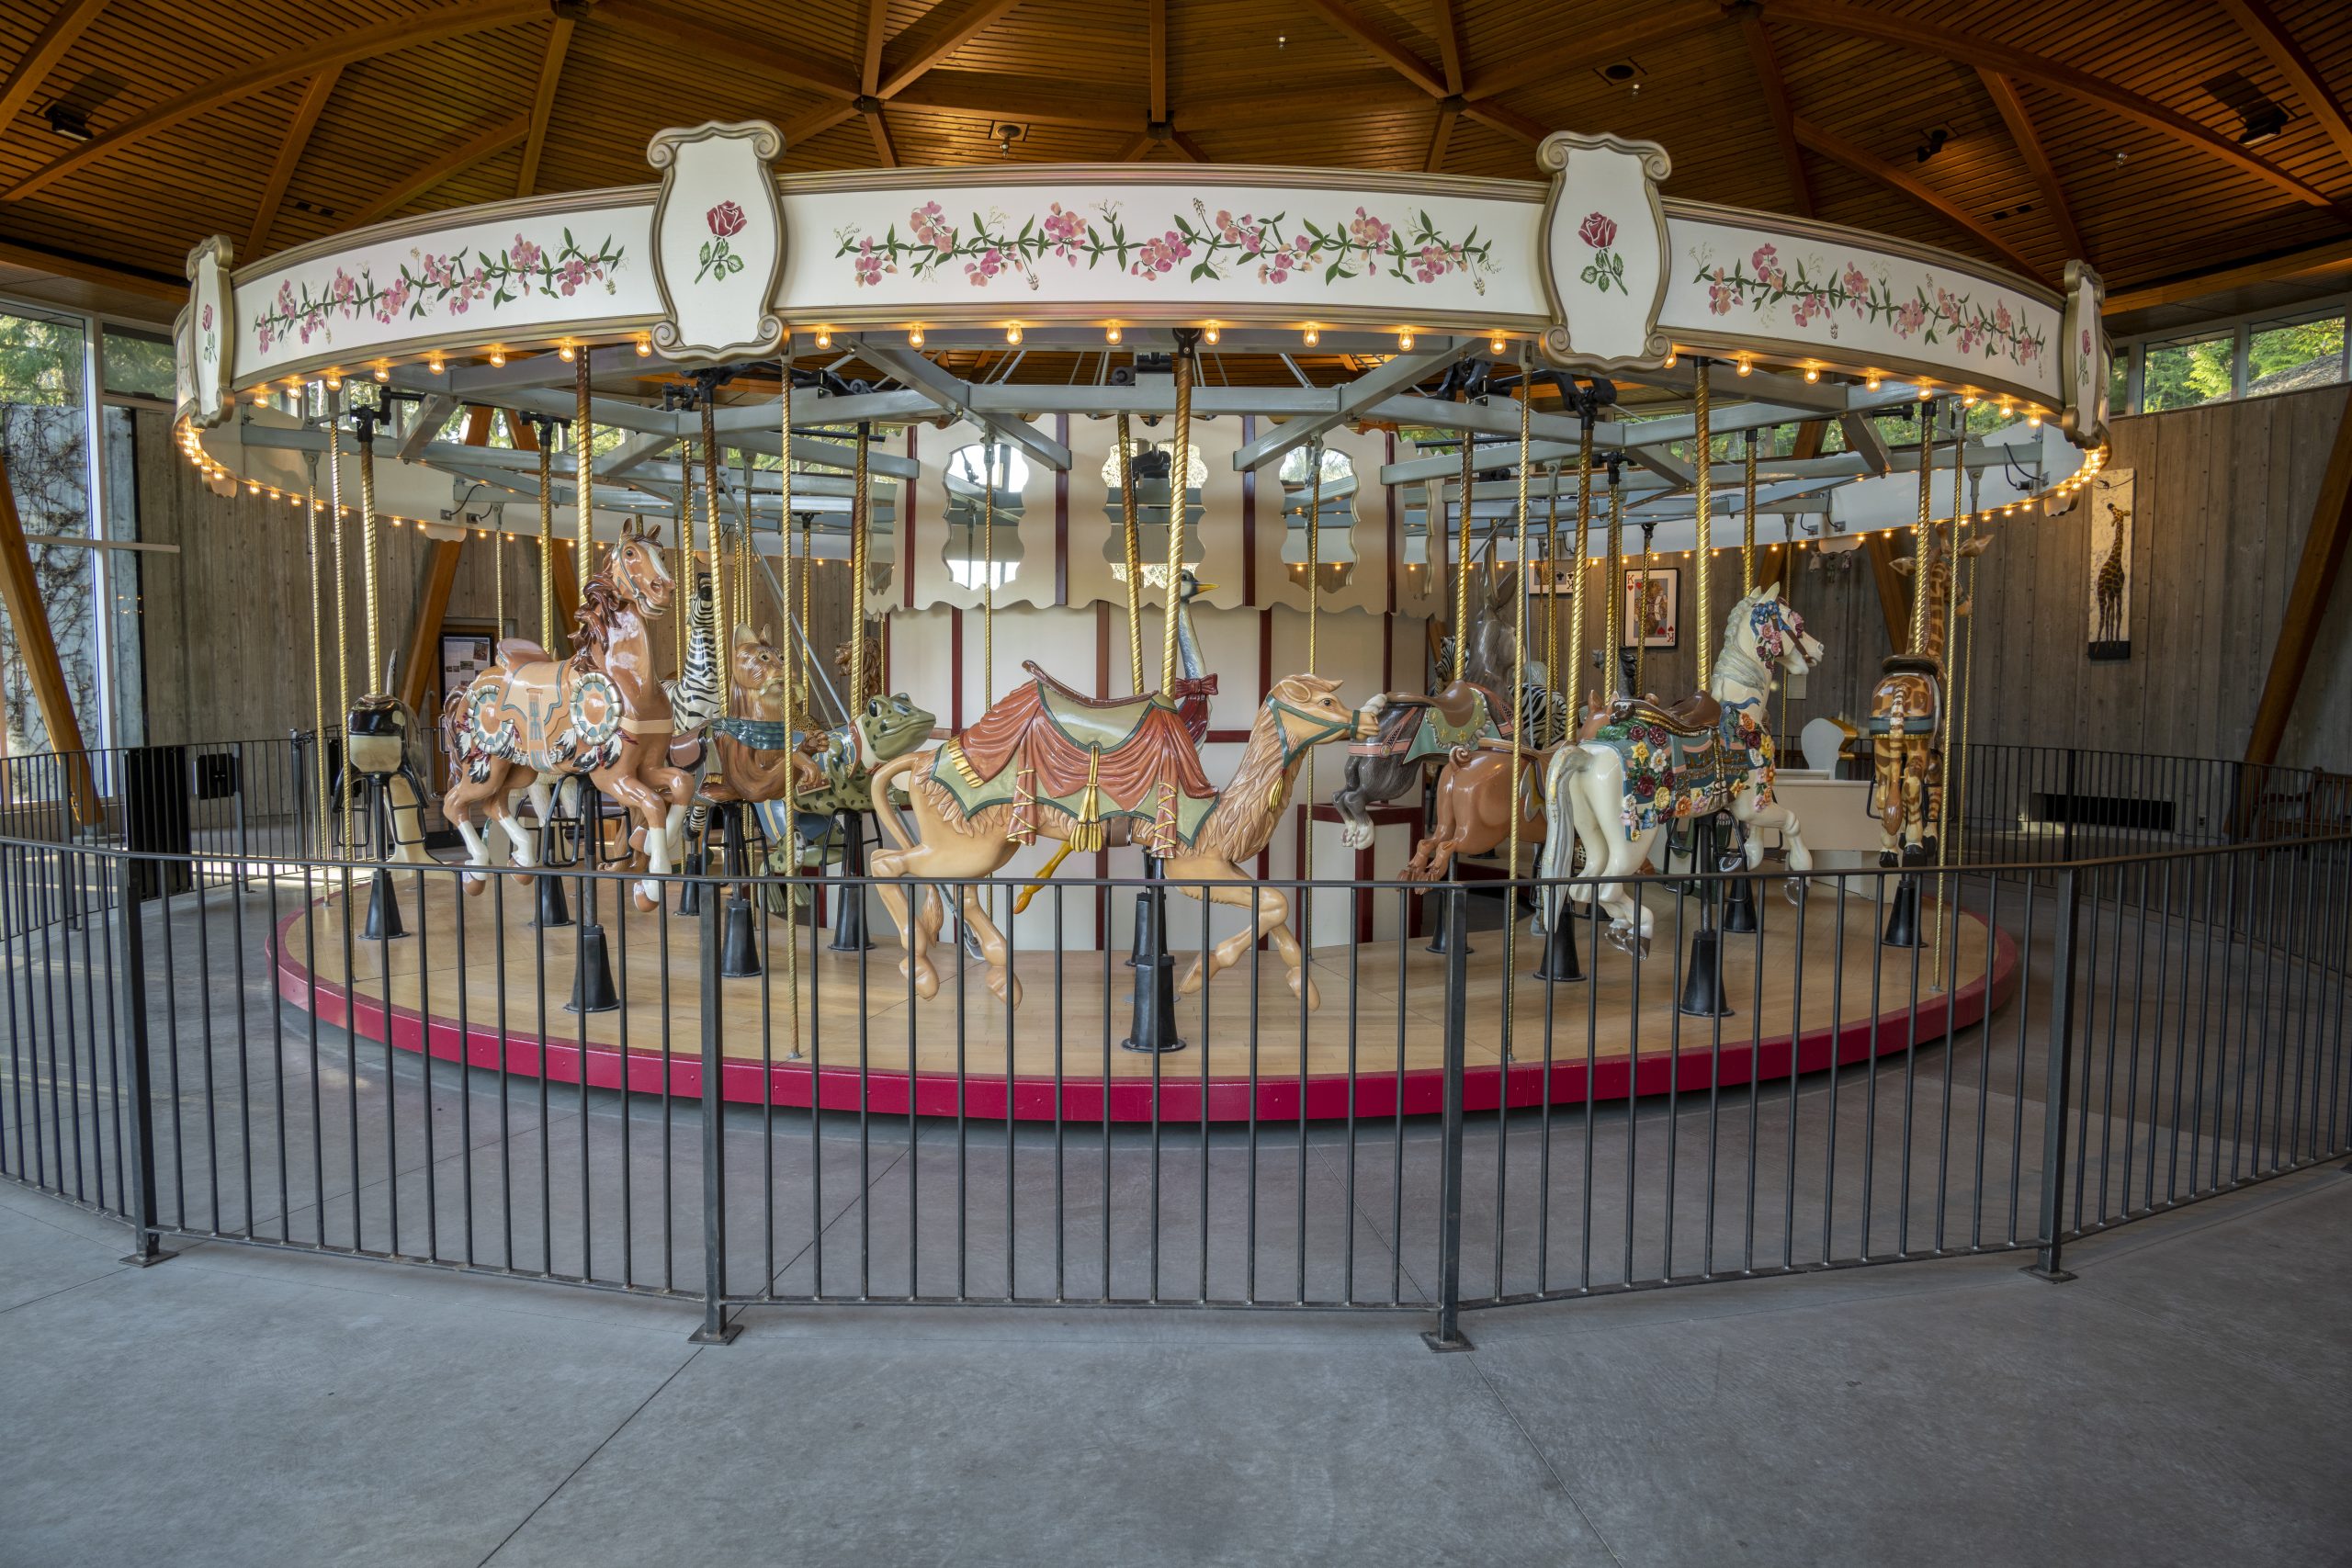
[
  {"x": 2119, "y": 383},
  {"x": 45, "y": 432},
  {"x": 2287, "y": 356},
  {"x": 2186, "y": 373},
  {"x": 138, "y": 365},
  {"x": 981, "y": 545}
]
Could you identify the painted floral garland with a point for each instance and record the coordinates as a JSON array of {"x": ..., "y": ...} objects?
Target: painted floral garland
[
  {"x": 437, "y": 281},
  {"x": 1363, "y": 247},
  {"x": 1763, "y": 282}
]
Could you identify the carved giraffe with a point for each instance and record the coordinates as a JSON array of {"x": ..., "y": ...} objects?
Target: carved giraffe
[{"x": 1905, "y": 705}]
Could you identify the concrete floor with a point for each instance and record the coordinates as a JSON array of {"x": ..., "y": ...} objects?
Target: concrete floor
[{"x": 2182, "y": 1402}]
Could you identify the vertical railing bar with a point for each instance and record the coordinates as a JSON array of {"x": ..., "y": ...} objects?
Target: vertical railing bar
[
  {"x": 139, "y": 1192},
  {"x": 1358, "y": 903},
  {"x": 424, "y": 1060},
  {"x": 1449, "y": 1295},
  {"x": 1869, "y": 1079},
  {"x": 1804, "y": 883},
  {"x": 2049, "y": 1264},
  {"x": 1203, "y": 1259},
  {"x": 1919, "y": 954},
  {"x": 1591, "y": 1069},
  {"x": 1012, "y": 1229},
  {"x": 1674, "y": 1068},
  {"x": 1062, "y": 1189},
  {"x": 1397, "y": 1106},
  {"x": 1985, "y": 1063},
  {"x": 2090, "y": 1030},
  {"x": 716, "y": 1329}
]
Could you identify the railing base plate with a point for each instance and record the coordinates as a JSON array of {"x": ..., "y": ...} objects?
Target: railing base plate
[{"x": 1443, "y": 1346}]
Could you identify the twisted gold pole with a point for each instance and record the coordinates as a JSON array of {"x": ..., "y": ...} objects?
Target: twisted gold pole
[
  {"x": 988, "y": 584},
  {"x": 546, "y": 545},
  {"x": 584, "y": 468},
  {"x": 1178, "y": 489},
  {"x": 1748, "y": 536},
  {"x": 1706, "y": 500},
  {"x": 368, "y": 530},
  {"x": 497, "y": 582},
  {"x": 1574, "y": 684},
  {"x": 1614, "y": 674},
  {"x": 1919, "y": 534},
  {"x": 1641, "y": 627},
  {"x": 683, "y": 546},
  {"x": 1551, "y": 580},
  {"x": 1462, "y": 565},
  {"x": 724, "y": 605},
  {"x": 860, "y": 526},
  {"x": 342, "y": 617},
  {"x": 1944, "y": 759},
  {"x": 1135, "y": 557},
  {"x": 318, "y": 657}
]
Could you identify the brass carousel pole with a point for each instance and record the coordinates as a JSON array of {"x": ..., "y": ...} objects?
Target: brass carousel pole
[
  {"x": 1747, "y": 533},
  {"x": 1945, "y": 761},
  {"x": 1613, "y": 683},
  {"x": 1462, "y": 564},
  {"x": 1179, "y": 493},
  {"x": 849, "y": 917},
  {"x": 1134, "y": 555},
  {"x": 1641, "y": 626},
  {"x": 988, "y": 582},
  {"x": 1313, "y": 603},
  {"x": 1519, "y": 715},
  {"x": 342, "y": 617}
]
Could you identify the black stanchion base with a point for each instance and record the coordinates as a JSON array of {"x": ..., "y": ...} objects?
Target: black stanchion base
[
  {"x": 383, "y": 909},
  {"x": 739, "y": 956},
  {"x": 849, "y": 898},
  {"x": 690, "y": 893},
  {"x": 1740, "y": 907},
  {"x": 1702, "y": 982},
  {"x": 1441, "y": 928},
  {"x": 1903, "y": 917},
  {"x": 592, "y": 976},
  {"x": 551, "y": 909},
  {"x": 1153, "y": 1027},
  {"x": 1560, "y": 962},
  {"x": 1438, "y": 1342}
]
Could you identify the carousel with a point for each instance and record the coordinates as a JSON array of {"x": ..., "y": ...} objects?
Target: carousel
[{"x": 1178, "y": 691}]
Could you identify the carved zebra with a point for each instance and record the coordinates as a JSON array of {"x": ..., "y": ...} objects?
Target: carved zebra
[
  {"x": 1543, "y": 713},
  {"x": 695, "y": 698}
]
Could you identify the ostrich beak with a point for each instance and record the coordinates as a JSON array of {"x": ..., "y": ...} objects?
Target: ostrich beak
[{"x": 1200, "y": 586}]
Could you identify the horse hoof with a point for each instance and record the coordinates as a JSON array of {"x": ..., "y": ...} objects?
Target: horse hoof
[
  {"x": 1620, "y": 938},
  {"x": 1302, "y": 986},
  {"x": 646, "y": 903},
  {"x": 473, "y": 882},
  {"x": 1006, "y": 989},
  {"x": 1193, "y": 980},
  {"x": 1795, "y": 890}
]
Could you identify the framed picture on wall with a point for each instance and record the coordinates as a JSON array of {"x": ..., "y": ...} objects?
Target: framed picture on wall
[{"x": 1653, "y": 607}]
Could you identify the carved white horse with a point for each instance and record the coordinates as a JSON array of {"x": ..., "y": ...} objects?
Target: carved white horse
[{"x": 1726, "y": 761}]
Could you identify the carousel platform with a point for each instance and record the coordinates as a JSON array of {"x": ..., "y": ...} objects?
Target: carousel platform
[{"x": 483, "y": 985}]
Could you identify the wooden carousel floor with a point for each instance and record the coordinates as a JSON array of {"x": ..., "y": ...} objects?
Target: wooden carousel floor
[{"x": 1375, "y": 1044}]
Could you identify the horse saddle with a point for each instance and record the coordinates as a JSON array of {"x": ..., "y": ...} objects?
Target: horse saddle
[
  {"x": 516, "y": 651},
  {"x": 1697, "y": 713},
  {"x": 1046, "y": 746}
]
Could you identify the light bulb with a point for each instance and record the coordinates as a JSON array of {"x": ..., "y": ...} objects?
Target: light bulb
[
  {"x": 1111, "y": 335},
  {"x": 498, "y": 358},
  {"x": 644, "y": 348},
  {"x": 1405, "y": 343},
  {"x": 566, "y": 353},
  {"x": 1313, "y": 335},
  {"x": 1012, "y": 333},
  {"x": 1498, "y": 343},
  {"x": 1811, "y": 374},
  {"x": 914, "y": 337},
  {"x": 383, "y": 371},
  {"x": 1745, "y": 368},
  {"x": 1212, "y": 334},
  {"x": 824, "y": 337},
  {"x": 334, "y": 380},
  {"x": 2034, "y": 419},
  {"x": 252, "y": 489},
  {"x": 1670, "y": 357},
  {"x": 436, "y": 365},
  {"x": 261, "y": 397}
]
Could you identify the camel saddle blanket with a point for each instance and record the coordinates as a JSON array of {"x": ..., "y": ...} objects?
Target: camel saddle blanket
[
  {"x": 1414, "y": 729},
  {"x": 1044, "y": 747},
  {"x": 1671, "y": 773}
]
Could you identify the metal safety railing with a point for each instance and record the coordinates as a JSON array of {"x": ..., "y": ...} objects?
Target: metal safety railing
[{"x": 2062, "y": 1048}]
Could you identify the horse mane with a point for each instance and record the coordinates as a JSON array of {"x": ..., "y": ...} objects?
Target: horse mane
[{"x": 601, "y": 608}]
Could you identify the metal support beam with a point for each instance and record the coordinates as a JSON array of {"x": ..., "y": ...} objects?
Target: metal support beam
[
  {"x": 947, "y": 392},
  {"x": 1350, "y": 401}
]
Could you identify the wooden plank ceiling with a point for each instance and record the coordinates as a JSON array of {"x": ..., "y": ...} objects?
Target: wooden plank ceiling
[{"x": 200, "y": 115}]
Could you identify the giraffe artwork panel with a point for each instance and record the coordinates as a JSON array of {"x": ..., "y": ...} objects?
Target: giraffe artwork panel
[{"x": 2110, "y": 501}]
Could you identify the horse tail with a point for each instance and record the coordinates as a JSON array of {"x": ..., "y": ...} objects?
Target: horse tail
[{"x": 878, "y": 786}]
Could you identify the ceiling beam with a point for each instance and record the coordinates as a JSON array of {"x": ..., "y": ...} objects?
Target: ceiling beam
[
  {"x": 1775, "y": 88},
  {"x": 1969, "y": 48},
  {"x": 1440, "y": 134},
  {"x": 945, "y": 28},
  {"x": 1372, "y": 38},
  {"x": 2335, "y": 256},
  {"x": 2036, "y": 160},
  {"x": 1863, "y": 161},
  {"x": 656, "y": 22},
  {"x": 1184, "y": 143},
  {"x": 2259, "y": 22},
  {"x": 48, "y": 46},
  {"x": 289, "y": 154},
  {"x": 1594, "y": 48},
  {"x": 88, "y": 269},
  {"x": 1449, "y": 45},
  {"x": 1510, "y": 122},
  {"x": 527, "y": 180},
  {"x": 879, "y": 130},
  {"x": 818, "y": 121},
  {"x": 877, "y": 28},
  {"x": 485, "y": 144},
  {"x": 339, "y": 50},
  {"x": 1137, "y": 149},
  {"x": 1156, "y": 25}
]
